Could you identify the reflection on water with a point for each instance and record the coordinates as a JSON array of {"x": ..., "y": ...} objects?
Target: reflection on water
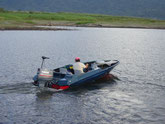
[{"x": 134, "y": 93}]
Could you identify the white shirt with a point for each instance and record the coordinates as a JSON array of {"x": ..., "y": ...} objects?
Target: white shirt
[{"x": 78, "y": 67}]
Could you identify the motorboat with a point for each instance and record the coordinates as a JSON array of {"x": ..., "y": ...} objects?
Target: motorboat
[{"x": 66, "y": 77}]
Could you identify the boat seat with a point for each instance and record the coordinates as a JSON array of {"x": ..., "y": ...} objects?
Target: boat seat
[{"x": 63, "y": 70}]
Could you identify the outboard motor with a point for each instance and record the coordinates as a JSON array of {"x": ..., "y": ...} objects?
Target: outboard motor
[{"x": 43, "y": 74}]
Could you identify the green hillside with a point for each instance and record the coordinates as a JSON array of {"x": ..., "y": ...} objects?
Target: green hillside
[{"x": 9, "y": 19}]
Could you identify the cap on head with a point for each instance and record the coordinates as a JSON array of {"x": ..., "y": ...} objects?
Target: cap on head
[{"x": 77, "y": 59}]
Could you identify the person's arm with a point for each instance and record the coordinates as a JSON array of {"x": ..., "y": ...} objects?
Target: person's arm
[{"x": 86, "y": 65}]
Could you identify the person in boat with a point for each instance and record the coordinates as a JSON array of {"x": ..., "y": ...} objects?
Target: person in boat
[{"x": 79, "y": 67}]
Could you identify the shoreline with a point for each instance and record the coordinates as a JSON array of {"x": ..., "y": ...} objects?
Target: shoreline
[
  {"x": 131, "y": 27},
  {"x": 20, "y": 20},
  {"x": 31, "y": 28},
  {"x": 51, "y": 28}
]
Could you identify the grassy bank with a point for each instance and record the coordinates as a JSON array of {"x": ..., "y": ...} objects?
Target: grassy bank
[{"x": 23, "y": 20}]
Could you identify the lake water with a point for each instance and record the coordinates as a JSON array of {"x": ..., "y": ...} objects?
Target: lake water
[{"x": 135, "y": 96}]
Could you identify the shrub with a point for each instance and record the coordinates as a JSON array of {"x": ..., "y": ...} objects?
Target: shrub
[{"x": 2, "y": 10}]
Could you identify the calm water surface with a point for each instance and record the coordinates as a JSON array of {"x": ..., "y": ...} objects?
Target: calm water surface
[{"x": 135, "y": 96}]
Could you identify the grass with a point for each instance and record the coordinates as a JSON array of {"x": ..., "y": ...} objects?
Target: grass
[{"x": 10, "y": 18}]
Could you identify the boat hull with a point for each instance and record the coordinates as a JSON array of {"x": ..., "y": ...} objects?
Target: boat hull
[{"x": 63, "y": 82}]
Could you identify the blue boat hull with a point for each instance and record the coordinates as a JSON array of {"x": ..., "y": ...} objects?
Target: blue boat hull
[
  {"x": 92, "y": 77},
  {"x": 65, "y": 79}
]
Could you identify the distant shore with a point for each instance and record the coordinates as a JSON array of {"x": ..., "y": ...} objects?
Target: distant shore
[
  {"x": 10, "y": 20},
  {"x": 42, "y": 28},
  {"x": 32, "y": 28}
]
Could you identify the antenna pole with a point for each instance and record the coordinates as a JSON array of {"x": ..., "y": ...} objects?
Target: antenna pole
[{"x": 43, "y": 59}]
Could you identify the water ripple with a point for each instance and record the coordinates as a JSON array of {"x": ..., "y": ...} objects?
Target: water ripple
[{"x": 134, "y": 96}]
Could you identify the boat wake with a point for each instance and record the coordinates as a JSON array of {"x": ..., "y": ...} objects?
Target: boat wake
[
  {"x": 20, "y": 88},
  {"x": 28, "y": 88}
]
